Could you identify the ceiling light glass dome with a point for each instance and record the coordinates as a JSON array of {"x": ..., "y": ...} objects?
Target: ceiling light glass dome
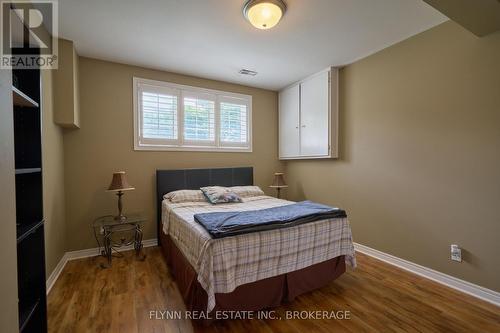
[{"x": 264, "y": 14}]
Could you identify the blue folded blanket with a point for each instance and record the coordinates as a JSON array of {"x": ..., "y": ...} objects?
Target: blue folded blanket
[{"x": 223, "y": 224}]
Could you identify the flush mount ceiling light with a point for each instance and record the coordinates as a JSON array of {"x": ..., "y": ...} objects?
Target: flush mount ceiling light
[{"x": 264, "y": 14}]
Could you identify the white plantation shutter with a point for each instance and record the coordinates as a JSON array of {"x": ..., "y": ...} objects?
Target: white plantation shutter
[
  {"x": 199, "y": 118},
  {"x": 159, "y": 116},
  {"x": 233, "y": 122},
  {"x": 169, "y": 116}
]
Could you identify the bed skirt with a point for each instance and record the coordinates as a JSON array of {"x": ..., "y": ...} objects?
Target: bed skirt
[{"x": 258, "y": 295}]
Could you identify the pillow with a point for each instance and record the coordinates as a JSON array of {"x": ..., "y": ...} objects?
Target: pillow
[
  {"x": 246, "y": 191},
  {"x": 180, "y": 196},
  {"x": 218, "y": 194}
]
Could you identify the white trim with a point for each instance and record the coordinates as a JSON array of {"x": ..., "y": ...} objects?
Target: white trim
[
  {"x": 135, "y": 83},
  {"x": 181, "y": 144},
  {"x": 73, "y": 255},
  {"x": 56, "y": 272},
  {"x": 222, "y": 149},
  {"x": 188, "y": 88},
  {"x": 485, "y": 294}
]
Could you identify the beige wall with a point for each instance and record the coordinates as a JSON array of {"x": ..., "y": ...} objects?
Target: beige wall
[
  {"x": 481, "y": 17},
  {"x": 420, "y": 142},
  {"x": 8, "y": 258},
  {"x": 105, "y": 144},
  {"x": 53, "y": 178}
]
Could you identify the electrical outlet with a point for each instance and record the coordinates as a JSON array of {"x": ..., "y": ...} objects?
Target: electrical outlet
[{"x": 456, "y": 253}]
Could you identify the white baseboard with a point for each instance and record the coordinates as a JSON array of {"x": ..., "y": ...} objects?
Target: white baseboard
[
  {"x": 72, "y": 255},
  {"x": 56, "y": 272},
  {"x": 485, "y": 294}
]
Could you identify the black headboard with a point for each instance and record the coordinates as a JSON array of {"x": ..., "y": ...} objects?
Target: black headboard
[{"x": 192, "y": 179}]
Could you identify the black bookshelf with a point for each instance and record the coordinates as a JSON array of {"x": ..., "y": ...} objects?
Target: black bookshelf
[{"x": 29, "y": 201}]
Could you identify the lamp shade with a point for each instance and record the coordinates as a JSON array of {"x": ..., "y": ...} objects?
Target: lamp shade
[
  {"x": 119, "y": 182},
  {"x": 279, "y": 180}
]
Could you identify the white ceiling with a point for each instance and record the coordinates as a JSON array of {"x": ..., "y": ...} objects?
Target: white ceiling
[{"x": 211, "y": 39}]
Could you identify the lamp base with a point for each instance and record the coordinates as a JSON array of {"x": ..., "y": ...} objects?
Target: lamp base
[{"x": 121, "y": 218}]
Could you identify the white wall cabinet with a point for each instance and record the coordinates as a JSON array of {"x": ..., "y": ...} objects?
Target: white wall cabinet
[
  {"x": 308, "y": 117},
  {"x": 289, "y": 137}
]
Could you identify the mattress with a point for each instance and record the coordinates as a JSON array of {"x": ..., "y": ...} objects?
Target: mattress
[{"x": 226, "y": 263}]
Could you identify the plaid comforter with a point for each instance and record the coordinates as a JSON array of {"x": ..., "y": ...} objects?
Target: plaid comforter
[{"x": 226, "y": 263}]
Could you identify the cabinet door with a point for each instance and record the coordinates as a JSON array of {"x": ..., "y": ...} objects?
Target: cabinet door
[
  {"x": 289, "y": 122},
  {"x": 314, "y": 115}
]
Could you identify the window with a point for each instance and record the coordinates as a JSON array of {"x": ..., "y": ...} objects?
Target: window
[
  {"x": 233, "y": 122},
  {"x": 159, "y": 116},
  {"x": 169, "y": 116},
  {"x": 199, "y": 119}
]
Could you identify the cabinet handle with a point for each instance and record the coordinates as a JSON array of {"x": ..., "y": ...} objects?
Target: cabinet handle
[
  {"x": 303, "y": 125},
  {"x": 297, "y": 127}
]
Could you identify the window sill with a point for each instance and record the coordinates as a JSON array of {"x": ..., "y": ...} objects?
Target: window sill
[{"x": 193, "y": 149}]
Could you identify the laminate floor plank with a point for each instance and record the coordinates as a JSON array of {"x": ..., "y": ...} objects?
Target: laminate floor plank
[{"x": 379, "y": 298}]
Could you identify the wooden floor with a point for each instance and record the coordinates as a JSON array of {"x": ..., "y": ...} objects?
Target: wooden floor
[{"x": 379, "y": 297}]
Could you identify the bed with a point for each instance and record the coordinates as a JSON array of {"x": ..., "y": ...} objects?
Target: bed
[{"x": 245, "y": 272}]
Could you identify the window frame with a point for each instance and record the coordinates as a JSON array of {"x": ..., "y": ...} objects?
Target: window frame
[{"x": 142, "y": 144}]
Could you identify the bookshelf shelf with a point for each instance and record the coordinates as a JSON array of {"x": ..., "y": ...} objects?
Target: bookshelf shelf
[
  {"x": 21, "y": 99},
  {"x": 29, "y": 201}
]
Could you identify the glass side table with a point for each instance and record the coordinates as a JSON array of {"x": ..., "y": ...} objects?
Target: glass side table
[{"x": 112, "y": 234}]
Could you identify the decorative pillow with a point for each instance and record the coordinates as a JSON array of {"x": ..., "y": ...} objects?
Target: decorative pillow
[
  {"x": 246, "y": 191},
  {"x": 185, "y": 196},
  {"x": 218, "y": 194}
]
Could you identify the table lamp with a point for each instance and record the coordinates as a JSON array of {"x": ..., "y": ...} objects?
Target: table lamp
[
  {"x": 119, "y": 184},
  {"x": 279, "y": 182}
]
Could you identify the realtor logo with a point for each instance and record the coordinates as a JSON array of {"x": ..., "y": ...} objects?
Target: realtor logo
[{"x": 29, "y": 34}]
